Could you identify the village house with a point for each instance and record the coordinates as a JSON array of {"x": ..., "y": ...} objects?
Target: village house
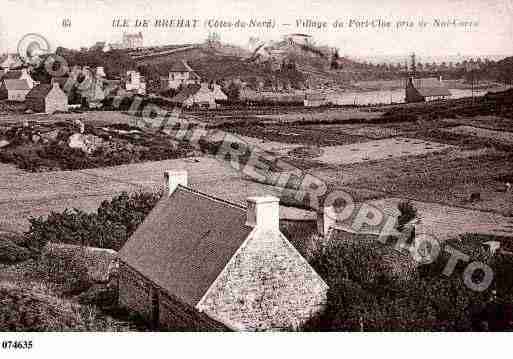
[
  {"x": 135, "y": 82},
  {"x": 47, "y": 98},
  {"x": 426, "y": 89},
  {"x": 202, "y": 263},
  {"x": 180, "y": 74},
  {"x": 14, "y": 90},
  {"x": 21, "y": 74},
  {"x": 204, "y": 95}
]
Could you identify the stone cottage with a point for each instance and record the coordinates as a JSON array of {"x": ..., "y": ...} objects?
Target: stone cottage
[
  {"x": 47, "y": 98},
  {"x": 204, "y": 95},
  {"x": 202, "y": 263},
  {"x": 14, "y": 90},
  {"x": 426, "y": 89},
  {"x": 21, "y": 74},
  {"x": 180, "y": 74}
]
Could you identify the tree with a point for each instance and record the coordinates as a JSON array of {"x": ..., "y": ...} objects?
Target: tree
[{"x": 233, "y": 92}]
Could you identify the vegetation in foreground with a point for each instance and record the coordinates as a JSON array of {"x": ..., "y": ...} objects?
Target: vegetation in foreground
[{"x": 370, "y": 289}]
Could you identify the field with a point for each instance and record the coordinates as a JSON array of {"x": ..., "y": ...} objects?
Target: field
[{"x": 494, "y": 135}]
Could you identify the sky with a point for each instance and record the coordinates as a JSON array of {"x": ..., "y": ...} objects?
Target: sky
[{"x": 91, "y": 21}]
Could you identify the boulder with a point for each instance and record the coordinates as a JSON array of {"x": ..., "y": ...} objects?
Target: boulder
[
  {"x": 4, "y": 143},
  {"x": 87, "y": 143},
  {"x": 50, "y": 135}
]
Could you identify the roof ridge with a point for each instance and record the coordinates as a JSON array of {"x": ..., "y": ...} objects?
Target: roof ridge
[{"x": 208, "y": 196}]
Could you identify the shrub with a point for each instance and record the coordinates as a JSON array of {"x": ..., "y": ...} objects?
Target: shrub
[
  {"x": 33, "y": 308},
  {"x": 109, "y": 227}
]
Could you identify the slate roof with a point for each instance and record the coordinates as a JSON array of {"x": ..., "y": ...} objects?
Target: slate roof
[
  {"x": 431, "y": 87},
  {"x": 185, "y": 242},
  {"x": 12, "y": 74},
  {"x": 39, "y": 91},
  {"x": 13, "y": 85},
  {"x": 434, "y": 91},
  {"x": 187, "y": 92}
]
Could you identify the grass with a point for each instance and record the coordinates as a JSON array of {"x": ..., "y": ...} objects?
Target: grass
[{"x": 37, "y": 308}]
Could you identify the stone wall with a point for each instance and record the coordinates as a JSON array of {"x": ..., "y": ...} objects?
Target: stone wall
[
  {"x": 175, "y": 315},
  {"x": 135, "y": 292},
  {"x": 268, "y": 285}
]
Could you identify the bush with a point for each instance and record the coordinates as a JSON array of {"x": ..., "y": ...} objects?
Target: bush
[
  {"x": 32, "y": 308},
  {"x": 110, "y": 227},
  {"x": 11, "y": 253}
]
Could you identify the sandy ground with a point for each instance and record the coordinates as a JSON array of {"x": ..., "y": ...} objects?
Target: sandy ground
[
  {"x": 379, "y": 149},
  {"x": 501, "y": 136}
]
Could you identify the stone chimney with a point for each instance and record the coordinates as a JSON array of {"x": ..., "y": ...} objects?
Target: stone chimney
[
  {"x": 174, "y": 179},
  {"x": 326, "y": 219},
  {"x": 263, "y": 213}
]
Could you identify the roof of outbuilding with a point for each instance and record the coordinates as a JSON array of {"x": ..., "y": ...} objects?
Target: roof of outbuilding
[
  {"x": 39, "y": 91},
  {"x": 431, "y": 87},
  {"x": 187, "y": 92},
  {"x": 434, "y": 91},
  {"x": 12, "y": 85},
  {"x": 186, "y": 241},
  {"x": 12, "y": 74}
]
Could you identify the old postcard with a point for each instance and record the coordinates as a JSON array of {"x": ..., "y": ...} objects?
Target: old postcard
[{"x": 254, "y": 166}]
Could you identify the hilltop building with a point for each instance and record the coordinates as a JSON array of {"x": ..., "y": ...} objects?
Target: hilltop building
[
  {"x": 132, "y": 41},
  {"x": 201, "y": 263}
]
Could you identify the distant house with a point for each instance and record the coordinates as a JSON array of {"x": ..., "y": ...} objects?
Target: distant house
[
  {"x": 135, "y": 82},
  {"x": 20, "y": 75},
  {"x": 14, "y": 90},
  {"x": 426, "y": 89},
  {"x": 201, "y": 263},
  {"x": 180, "y": 74},
  {"x": 47, "y": 98},
  {"x": 204, "y": 95},
  {"x": 315, "y": 100}
]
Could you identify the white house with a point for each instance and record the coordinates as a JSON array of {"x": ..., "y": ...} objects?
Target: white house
[
  {"x": 181, "y": 74},
  {"x": 204, "y": 95},
  {"x": 135, "y": 82},
  {"x": 202, "y": 263}
]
